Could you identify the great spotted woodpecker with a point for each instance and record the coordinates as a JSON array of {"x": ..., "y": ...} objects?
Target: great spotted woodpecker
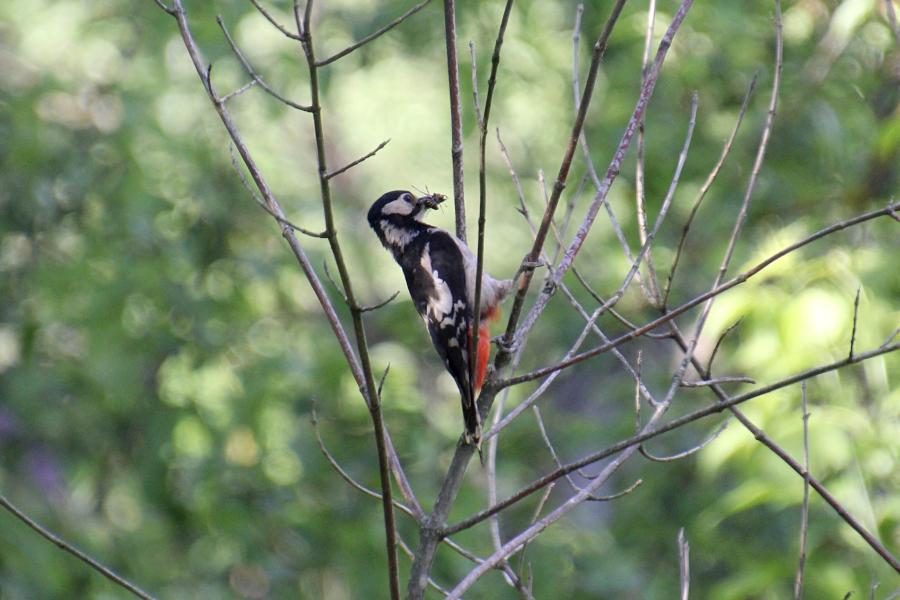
[{"x": 440, "y": 274}]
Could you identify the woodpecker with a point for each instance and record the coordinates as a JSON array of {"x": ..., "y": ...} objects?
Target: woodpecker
[{"x": 440, "y": 274}]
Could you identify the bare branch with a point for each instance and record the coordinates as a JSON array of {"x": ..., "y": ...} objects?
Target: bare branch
[
  {"x": 804, "y": 510},
  {"x": 701, "y": 194},
  {"x": 585, "y": 149},
  {"x": 400, "y": 476},
  {"x": 482, "y": 173},
  {"x": 684, "y": 454},
  {"x": 717, "y": 381},
  {"x": 761, "y": 149},
  {"x": 671, "y": 314},
  {"x": 373, "y": 36},
  {"x": 490, "y": 469},
  {"x": 334, "y": 283},
  {"x": 651, "y": 292},
  {"x": 562, "y": 176},
  {"x": 239, "y": 91},
  {"x": 358, "y": 160},
  {"x": 515, "y": 544},
  {"x": 678, "y": 423},
  {"x": 652, "y": 288},
  {"x": 262, "y": 204},
  {"x": 600, "y": 198},
  {"x": 270, "y": 200},
  {"x": 890, "y": 338},
  {"x": 778, "y": 451},
  {"x": 476, "y": 103},
  {"x": 715, "y": 350},
  {"x": 411, "y": 511},
  {"x": 456, "y": 141},
  {"x": 368, "y": 388},
  {"x": 537, "y": 513},
  {"x": 380, "y": 305},
  {"x": 298, "y": 18},
  {"x": 163, "y": 6},
  {"x": 253, "y": 74},
  {"x": 272, "y": 20},
  {"x": 343, "y": 473},
  {"x": 575, "y": 487},
  {"x": 64, "y": 545},
  {"x": 684, "y": 561},
  {"x": 855, "y": 317}
]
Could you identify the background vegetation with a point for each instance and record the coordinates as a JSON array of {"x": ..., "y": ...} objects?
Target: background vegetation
[{"x": 161, "y": 353}]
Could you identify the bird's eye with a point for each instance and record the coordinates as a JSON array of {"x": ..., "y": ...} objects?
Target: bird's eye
[{"x": 407, "y": 197}]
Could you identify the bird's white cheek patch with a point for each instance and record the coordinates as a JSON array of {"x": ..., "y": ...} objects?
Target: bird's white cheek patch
[{"x": 397, "y": 207}]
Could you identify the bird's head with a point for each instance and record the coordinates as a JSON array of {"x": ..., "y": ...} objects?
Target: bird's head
[{"x": 402, "y": 204}]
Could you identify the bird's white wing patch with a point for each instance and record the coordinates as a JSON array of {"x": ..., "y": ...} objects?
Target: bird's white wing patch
[{"x": 440, "y": 303}]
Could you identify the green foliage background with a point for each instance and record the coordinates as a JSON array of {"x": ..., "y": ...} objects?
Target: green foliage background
[{"x": 161, "y": 353}]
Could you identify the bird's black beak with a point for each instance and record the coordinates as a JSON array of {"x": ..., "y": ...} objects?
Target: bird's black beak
[{"x": 431, "y": 201}]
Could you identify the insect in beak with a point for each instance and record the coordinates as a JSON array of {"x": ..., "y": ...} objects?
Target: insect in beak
[{"x": 432, "y": 201}]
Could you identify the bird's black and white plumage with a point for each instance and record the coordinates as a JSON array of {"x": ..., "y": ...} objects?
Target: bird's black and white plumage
[{"x": 440, "y": 274}]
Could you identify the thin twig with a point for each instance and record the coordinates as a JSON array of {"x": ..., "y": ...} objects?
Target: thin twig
[
  {"x": 719, "y": 342},
  {"x": 373, "y": 494},
  {"x": 368, "y": 389},
  {"x": 563, "y": 174},
  {"x": 163, "y": 6},
  {"x": 855, "y": 316},
  {"x": 804, "y": 509},
  {"x": 239, "y": 91},
  {"x": 591, "y": 320},
  {"x": 778, "y": 451},
  {"x": 555, "y": 277},
  {"x": 575, "y": 487},
  {"x": 891, "y": 337},
  {"x": 671, "y": 314},
  {"x": 626, "y": 449},
  {"x": 373, "y": 36},
  {"x": 334, "y": 283},
  {"x": 384, "y": 375},
  {"x": 583, "y": 141},
  {"x": 482, "y": 177},
  {"x": 272, "y": 20},
  {"x": 343, "y": 472},
  {"x": 253, "y": 74},
  {"x": 717, "y": 381},
  {"x": 684, "y": 454},
  {"x": 616, "y": 314},
  {"x": 270, "y": 200},
  {"x": 701, "y": 194},
  {"x": 537, "y": 513},
  {"x": 381, "y": 304},
  {"x": 476, "y": 103},
  {"x": 358, "y": 160},
  {"x": 64, "y": 545},
  {"x": 262, "y": 204},
  {"x": 651, "y": 291},
  {"x": 684, "y": 561},
  {"x": 456, "y": 141},
  {"x": 600, "y": 198},
  {"x": 676, "y": 424}
]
